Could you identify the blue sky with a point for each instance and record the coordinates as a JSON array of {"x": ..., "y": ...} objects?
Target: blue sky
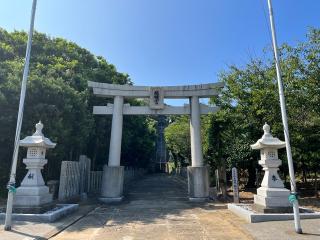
[{"x": 167, "y": 42}]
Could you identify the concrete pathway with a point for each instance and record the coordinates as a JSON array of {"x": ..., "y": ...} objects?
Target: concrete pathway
[
  {"x": 156, "y": 207},
  {"x": 23, "y": 230},
  {"x": 284, "y": 230}
]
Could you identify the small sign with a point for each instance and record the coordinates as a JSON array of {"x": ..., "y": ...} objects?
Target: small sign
[
  {"x": 235, "y": 185},
  {"x": 156, "y": 98}
]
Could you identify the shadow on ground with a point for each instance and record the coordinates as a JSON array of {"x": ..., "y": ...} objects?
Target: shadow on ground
[{"x": 149, "y": 200}]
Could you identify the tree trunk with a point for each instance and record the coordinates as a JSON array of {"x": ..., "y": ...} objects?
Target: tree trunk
[
  {"x": 71, "y": 154},
  {"x": 94, "y": 155},
  {"x": 257, "y": 182},
  {"x": 251, "y": 177},
  {"x": 304, "y": 174},
  {"x": 216, "y": 174},
  {"x": 223, "y": 179},
  {"x": 316, "y": 184},
  {"x": 285, "y": 175}
]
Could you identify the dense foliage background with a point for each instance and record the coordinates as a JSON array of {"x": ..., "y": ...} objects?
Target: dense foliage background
[
  {"x": 57, "y": 94},
  {"x": 249, "y": 99}
]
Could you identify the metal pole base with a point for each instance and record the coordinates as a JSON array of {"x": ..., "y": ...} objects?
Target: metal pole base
[
  {"x": 8, "y": 220},
  {"x": 297, "y": 222},
  {"x": 7, "y": 228}
]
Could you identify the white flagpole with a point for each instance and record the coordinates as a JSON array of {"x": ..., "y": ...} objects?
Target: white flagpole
[
  {"x": 285, "y": 124},
  {"x": 11, "y": 184}
]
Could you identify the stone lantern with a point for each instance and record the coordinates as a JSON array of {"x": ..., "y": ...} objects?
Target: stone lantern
[
  {"x": 33, "y": 193},
  {"x": 271, "y": 197}
]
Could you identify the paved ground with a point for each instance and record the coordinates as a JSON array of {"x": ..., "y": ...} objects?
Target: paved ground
[
  {"x": 157, "y": 208},
  {"x": 284, "y": 230},
  {"x": 23, "y": 230}
]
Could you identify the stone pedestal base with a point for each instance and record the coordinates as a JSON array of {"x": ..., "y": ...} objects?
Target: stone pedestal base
[
  {"x": 198, "y": 183},
  {"x": 272, "y": 200},
  {"x": 32, "y": 199},
  {"x": 33, "y": 209},
  {"x": 110, "y": 200},
  {"x": 32, "y": 196},
  {"x": 112, "y": 184},
  {"x": 262, "y": 209}
]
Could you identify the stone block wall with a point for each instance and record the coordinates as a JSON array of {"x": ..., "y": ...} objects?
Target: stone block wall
[
  {"x": 77, "y": 179},
  {"x": 95, "y": 182},
  {"x": 69, "y": 185}
]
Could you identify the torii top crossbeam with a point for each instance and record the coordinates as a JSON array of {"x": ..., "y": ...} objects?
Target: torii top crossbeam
[
  {"x": 156, "y": 97},
  {"x": 130, "y": 91}
]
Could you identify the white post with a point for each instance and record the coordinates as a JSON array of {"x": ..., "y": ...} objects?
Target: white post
[
  {"x": 285, "y": 122},
  {"x": 195, "y": 133},
  {"x": 116, "y": 132},
  {"x": 11, "y": 184}
]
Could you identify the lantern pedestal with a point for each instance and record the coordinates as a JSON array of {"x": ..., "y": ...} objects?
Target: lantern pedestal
[
  {"x": 272, "y": 200},
  {"x": 33, "y": 193},
  {"x": 271, "y": 197}
]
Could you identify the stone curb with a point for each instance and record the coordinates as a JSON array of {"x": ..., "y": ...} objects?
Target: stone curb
[
  {"x": 61, "y": 225},
  {"x": 49, "y": 217},
  {"x": 252, "y": 217}
]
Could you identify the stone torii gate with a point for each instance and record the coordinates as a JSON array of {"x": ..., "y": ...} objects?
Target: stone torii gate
[{"x": 113, "y": 173}]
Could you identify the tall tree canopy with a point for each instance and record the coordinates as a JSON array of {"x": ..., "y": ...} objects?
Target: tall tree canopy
[
  {"x": 57, "y": 94},
  {"x": 250, "y": 98}
]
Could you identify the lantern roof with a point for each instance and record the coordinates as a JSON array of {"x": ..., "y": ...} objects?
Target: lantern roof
[
  {"x": 267, "y": 140},
  {"x": 37, "y": 139}
]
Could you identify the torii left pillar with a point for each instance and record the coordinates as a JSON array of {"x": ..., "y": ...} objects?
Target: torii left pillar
[{"x": 113, "y": 173}]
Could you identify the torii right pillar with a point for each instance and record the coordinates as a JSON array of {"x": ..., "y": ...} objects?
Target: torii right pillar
[{"x": 198, "y": 174}]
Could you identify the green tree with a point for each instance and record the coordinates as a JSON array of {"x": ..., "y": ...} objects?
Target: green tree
[
  {"x": 177, "y": 137},
  {"x": 58, "y": 95},
  {"x": 250, "y": 98}
]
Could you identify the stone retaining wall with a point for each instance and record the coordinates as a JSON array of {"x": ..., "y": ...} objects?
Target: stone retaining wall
[
  {"x": 76, "y": 179},
  {"x": 69, "y": 186}
]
